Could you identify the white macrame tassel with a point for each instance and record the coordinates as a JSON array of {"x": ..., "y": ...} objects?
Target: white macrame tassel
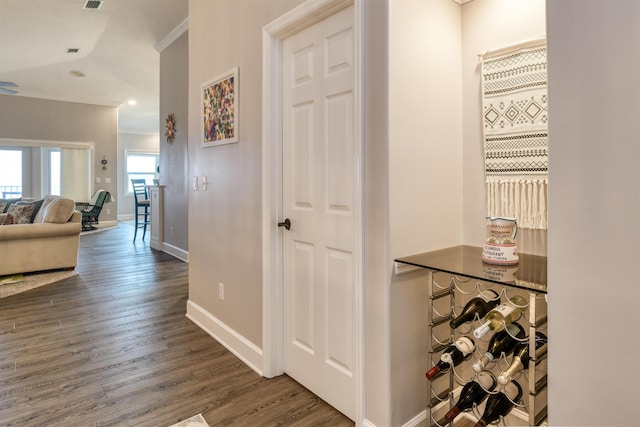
[{"x": 525, "y": 200}]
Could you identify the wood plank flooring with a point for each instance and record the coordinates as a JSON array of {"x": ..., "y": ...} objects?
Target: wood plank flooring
[{"x": 112, "y": 347}]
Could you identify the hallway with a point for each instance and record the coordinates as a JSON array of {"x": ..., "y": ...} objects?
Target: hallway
[{"x": 112, "y": 347}]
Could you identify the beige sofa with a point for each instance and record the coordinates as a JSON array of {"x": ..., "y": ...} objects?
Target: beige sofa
[{"x": 50, "y": 242}]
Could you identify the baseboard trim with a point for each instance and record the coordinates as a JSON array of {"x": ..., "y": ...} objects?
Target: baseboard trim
[
  {"x": 175, "y": 251},
  {"x": 418, "y": 420},
  {"x": 241, "y": 347}
]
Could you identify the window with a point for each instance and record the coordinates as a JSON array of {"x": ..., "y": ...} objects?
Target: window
[
  {"x": 33, "y": 168},
  {"x": 51, "y": 171},
  {"x": 54, "y": 161},
  {"x": 140, "y": 166},
  {"x": 10, "y": 174}
]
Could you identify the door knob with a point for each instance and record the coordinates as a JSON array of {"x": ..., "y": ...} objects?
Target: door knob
[{"x": 286, "y": 224}]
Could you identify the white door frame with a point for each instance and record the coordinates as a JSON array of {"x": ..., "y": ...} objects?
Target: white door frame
[{"x": 303, "y": 16}]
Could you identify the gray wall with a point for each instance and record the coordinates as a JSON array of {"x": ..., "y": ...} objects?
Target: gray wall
[
  {"x": 225, "y": 232},
  {"x": 39, "y": 119},
  {"x": 174, "y": 95},
  {"x": 594, "y": 207}
]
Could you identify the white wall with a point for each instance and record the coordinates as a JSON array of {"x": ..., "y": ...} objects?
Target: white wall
[
  {"x": 377, "y": 268},
  {"x": 594, "y": 211},
  {"x": 488, "y": 25},
  {"x": 425, "y": 177},
  {"x": 425, "y": 125}
]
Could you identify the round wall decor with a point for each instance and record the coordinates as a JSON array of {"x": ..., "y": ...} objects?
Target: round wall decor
[{"x": 170, "y": 128}]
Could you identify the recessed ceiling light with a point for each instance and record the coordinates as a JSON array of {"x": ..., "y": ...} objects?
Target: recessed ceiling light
[
  {"x": 132, "y": 102},
  {"x": 76, "y": 73}
]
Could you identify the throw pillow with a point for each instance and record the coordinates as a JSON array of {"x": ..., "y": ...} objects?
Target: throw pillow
[
  {"x": 36, "y": 206},
  {"x": 22, "y": 214},
  {"x": 8, "y": 220},
  {"x": 55, "y": 209},
  {"x": 5, "y": 203}
]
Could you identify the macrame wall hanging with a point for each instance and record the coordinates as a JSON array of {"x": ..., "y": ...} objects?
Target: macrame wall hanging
[{"x": 515, "y": 120}]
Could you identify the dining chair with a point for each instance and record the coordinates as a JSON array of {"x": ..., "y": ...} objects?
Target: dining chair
[{"x": 142, "y": 206}]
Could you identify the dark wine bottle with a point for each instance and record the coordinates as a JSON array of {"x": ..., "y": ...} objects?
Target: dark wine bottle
[
  {"x": 501, "y": 342},
  {"x": 453, "y": 355},
  {"x": 479, "y": 305},
  {"x": 473, "y": 393},
  {"x": 521, "y": 357},
  {"x": 500, "y": 404}
]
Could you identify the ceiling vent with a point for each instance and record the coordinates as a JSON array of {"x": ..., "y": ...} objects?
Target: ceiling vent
[
  {"x": 93, "y": 4},
  {"x": 73, "y": 50}
]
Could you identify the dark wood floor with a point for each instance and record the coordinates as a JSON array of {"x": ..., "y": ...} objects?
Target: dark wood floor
[{"x": 112, "y": 347}]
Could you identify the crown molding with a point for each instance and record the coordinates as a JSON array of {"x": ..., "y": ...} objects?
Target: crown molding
[{"x": 172, "y": 36}]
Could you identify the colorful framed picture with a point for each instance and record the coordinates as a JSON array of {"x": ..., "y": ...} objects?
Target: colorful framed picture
[{"x": 220, "y": 109}]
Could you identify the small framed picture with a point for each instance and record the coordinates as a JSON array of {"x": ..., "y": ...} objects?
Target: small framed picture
[{"x": 220, "y": 109}]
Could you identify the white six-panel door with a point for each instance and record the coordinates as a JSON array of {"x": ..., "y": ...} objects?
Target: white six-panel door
[{"x": 319, "y": 178}]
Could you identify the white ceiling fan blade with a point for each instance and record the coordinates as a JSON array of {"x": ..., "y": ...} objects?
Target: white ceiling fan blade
[
  {"x": 8, "y": 84},
  {"x": 7, "y": 91}
]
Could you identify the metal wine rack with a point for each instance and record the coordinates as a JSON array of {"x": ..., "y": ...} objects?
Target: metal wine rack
[{"x": 456, "y": 275}]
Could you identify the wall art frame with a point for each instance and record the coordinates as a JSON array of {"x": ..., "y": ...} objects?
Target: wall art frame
[{"x": 219, "y": 102}]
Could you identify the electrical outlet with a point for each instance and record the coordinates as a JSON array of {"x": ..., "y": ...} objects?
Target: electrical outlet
[
  {"x": 108, "y": 211},
  {"x": 171, "y": 230},
  {"x": 221, "y": 291}
]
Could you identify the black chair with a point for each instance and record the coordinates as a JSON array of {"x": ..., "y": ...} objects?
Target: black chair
[
  {"x": 90, "y": 211},
  {"x": 142, "y": 206}
]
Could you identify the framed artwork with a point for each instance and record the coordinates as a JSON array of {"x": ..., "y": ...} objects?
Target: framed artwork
[{"x": 220, "y": 109}]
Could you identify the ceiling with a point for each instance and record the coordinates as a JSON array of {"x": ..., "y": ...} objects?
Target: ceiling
[{"x": 117, "y": 53}]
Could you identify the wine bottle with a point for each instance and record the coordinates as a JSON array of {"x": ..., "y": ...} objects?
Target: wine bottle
[
  {"x": 473, "y": 393},
  {"x": 521, "y": 357},
  {"x": 479, "y": 305},
  {"x": 453, "y": 355},
  {"x": 500, "y": 404},
  {"x": 501, "y": 342},
  {"x": 502, "y": 316}
]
